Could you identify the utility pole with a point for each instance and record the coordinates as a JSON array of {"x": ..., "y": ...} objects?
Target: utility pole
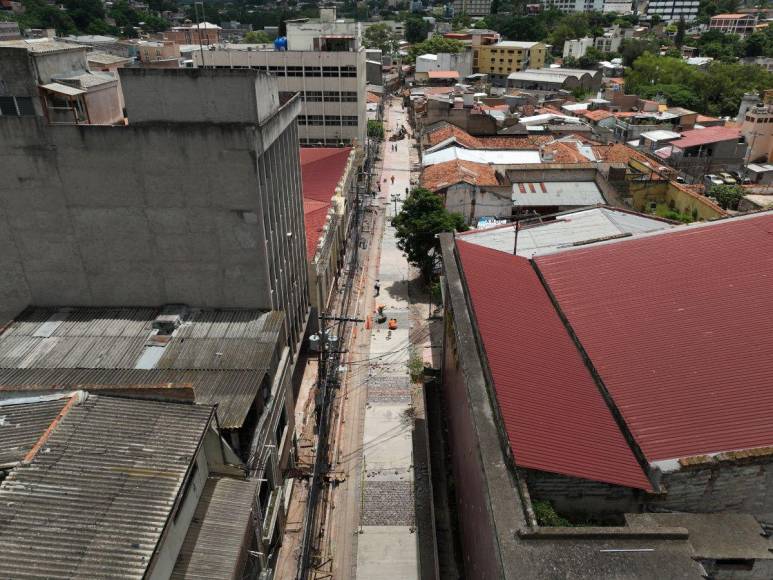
[{"x": 395, "y": 198}]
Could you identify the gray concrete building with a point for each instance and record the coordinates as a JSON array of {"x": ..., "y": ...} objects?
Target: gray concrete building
[
  {"x": 331, "y": 87},
  {"x": 197, "y": 200}
]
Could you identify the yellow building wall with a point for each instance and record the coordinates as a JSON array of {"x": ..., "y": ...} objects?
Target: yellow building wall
[
  {"x": 645, "y": 193},
  {"x": 509, "y": 60}
]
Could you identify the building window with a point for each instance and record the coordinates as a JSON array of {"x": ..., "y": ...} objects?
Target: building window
[
  {"x": 312, "y": 71},
  {"x": 316, "y": 120},
  {"x": 329, "y": 71},
  {"x": 301, "y": 119},
  {"x": 17, "y": 107},
  {"x": 333, "y": 120},
  {"x": 294, "y": 71},
  {"x": 348, "y": 71},
  {"x": 348, "y": 96},
  {"x": 332, "y": 96},
  {"x": 277, "y": 71},
  {"x": 312, "y": 96},
  {"x": 350, "y": 120}
]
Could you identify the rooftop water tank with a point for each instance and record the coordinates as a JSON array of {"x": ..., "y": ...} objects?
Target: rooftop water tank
[{"x": 280, "y": 43}]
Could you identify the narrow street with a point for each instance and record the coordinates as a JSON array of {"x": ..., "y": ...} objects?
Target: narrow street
[{"x": 370, "y": 528}]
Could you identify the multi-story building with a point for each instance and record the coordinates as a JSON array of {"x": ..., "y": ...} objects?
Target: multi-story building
[
  {"x": 331, "y": 87},
  {"x": 331, "y": 80},
  {"x": 51, "y": 79},
  {"x": 577, "y": 48},
  {"x": 326, "y": 33},
  {"x": 507, "y": 56},
  {"x": 673, "y": 10},
  {"x": 576, "y": 5},
  {"x": 757, "y": 129},
  {"x": 159, "y": 53},
  {"x": 175, "y": 243},
  {"x": 740, "y": 24},
  {"x": 472, "y": 7},
  {"x": 460, "y": 62},
  {"x": 204, "y": 33},
  {"x": 9, "y": 31}
]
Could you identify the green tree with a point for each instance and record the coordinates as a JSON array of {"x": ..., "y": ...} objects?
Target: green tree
[
  {"x": 759, "y": 43},
  {"x": 256, "y": 37},
  {"x": 434, "y": 45},
  {"x": 375, "y": 129},
  {"x": 40, "y": 14},
  {"x": 681, "y": 27},
  {"x": 633, "y": 48},
  {"x": 416, "y": 28},
  {"x": 87, "y": 15},
  {"x": 727, "y": 196},
  {"x": 591, "y": 58},
  {"x": 421, "y": 219},
  {"x": 461, "y": 22},
  {"x": 382, "y": 37}
]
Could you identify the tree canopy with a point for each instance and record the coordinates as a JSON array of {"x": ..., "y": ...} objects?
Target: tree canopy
[
  {"x": 422, "y": 217},
  {"x": 416, "y": 28},
  {"x": 382, "y": 37},
  {"x": 434, "y": 45},
  {"x": 716, "y": 91},
  {"x": 256, "y": 37}
]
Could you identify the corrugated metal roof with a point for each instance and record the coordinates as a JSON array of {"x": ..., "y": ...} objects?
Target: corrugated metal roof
[
  {"x": 224, "y": 353},
  {"x": 94, "y": 501},
  {"x": 565, "y": 231},
  {"x": 214, "y": 547},
  {"x": 62, "y": 89},
  {"x": 677, "y": 324},
  {"x": 41, "y": 45},
  {"x": 556, "y": 193},
  {"x": 491, "y": 156},
  {"x": 23, "y": 421},
  {"x": 554, "y": 415}
]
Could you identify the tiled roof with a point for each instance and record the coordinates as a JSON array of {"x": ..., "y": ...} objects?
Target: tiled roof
[
  {"x": 597, "y": 115},
  {"x": 441, "y": 175},
  {"x": 95, "y": 500},
  {"x": 443, "y": 74},
  {"x": 372, "y": 97},
  {"x": 554, "y": 415},
  {"x": 464, "y": 139},
  {"x": 321, "y": 170},
  {"x": 696, "y": 137},
  {"x": 676, "y": 326},
  {"x": 448, "y": 131}
]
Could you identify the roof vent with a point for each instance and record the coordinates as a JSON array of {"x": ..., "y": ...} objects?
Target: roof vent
[{"x": 169, "y": 319}]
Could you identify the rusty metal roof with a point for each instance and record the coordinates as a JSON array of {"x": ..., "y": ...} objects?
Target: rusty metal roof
[
  {"x": 678, "y": 326},
  {"x": 94, "y": 500},
  {"x": 553, "y": 412},
  {"x": 224, "y": 354}
]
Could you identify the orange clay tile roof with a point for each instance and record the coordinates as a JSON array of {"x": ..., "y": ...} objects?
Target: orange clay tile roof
[
  {"x": 442, "y": 175},
  {"x": 466, "y": 140},
  {"x": 704, "y": 119},
  {"x": 372, "y": 97},
  {"x": 565, "y": 152},
  {"x": 597, "y": 115},
  {"x": 448, "y": 131}
]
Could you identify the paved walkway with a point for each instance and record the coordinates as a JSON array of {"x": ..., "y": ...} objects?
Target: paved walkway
[{"x": 387, "y": 542}]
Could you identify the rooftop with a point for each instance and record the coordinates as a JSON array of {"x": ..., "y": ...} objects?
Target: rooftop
[
  {"x": 41, "y": 45},
  {"x": 486, "y": 156},
  {"x": 222, "y": 354},
  {"x": 97, "y": 496},
  {"x": 550, "y": 426},
  {"x": 441, "y": 175},
  {"x": 104, "y": 58},
  {"x": 568, "y": 229},
  {"x": 680, "y": 296},
  {"x": 322, "y": 168},
  {"x": 443, "y": 74},
  {"x": 556, "y": 193},
  {"x": 705, "y": 136},
  {"x": 514, "y": 44}
]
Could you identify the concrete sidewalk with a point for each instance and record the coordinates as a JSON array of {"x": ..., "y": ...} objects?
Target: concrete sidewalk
[{"x": 387, "y": 546}]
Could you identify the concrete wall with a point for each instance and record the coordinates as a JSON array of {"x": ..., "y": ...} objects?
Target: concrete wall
[
  {"x": 204, "y": 213},
  {"x": 581, "y": 499},
  {"x": 191, "y": 96},
  {"x": 728, "y": 482},
  {"x": 473, "y": 202},
  {"x": 49, "y": 64}
]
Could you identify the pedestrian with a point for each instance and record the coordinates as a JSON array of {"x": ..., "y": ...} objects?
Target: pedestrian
[
  {"x": 393, "y": 180},
  {"x": 377, "y": 287}
]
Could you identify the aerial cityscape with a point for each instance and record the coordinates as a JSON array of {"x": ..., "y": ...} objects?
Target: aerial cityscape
[{"x": 386, "y": 289}]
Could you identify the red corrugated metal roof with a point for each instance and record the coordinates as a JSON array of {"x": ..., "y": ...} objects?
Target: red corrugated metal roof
[
  {"x": 695, "y": 137},
  {"x": 679, "y": 328},
  {"x": 554, "y": 415},
  {"x": 321, "y": 170}
]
